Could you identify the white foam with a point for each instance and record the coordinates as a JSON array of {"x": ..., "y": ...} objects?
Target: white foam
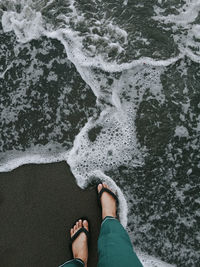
[
  {"x": 181, "y": 131},
  {"x": 36, "y": 155},
  {"x": 117, "y": 137},
  {"x": 76, "y": 55},
  {"x": 27, "y": 25}
]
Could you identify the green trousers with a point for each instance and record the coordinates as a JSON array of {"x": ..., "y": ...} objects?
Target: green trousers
[{"x": 114, "y": 247}]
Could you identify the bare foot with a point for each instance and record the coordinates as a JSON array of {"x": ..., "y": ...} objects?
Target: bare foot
[
  {"x": 108, "y": 202},
  {"x": 80, "y": 246}
]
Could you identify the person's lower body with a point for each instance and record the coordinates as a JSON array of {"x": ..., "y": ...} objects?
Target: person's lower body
[{"x": 114, "y": 247}]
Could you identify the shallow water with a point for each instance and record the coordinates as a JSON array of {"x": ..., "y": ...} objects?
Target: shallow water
[{"x": 111, "y": 87}]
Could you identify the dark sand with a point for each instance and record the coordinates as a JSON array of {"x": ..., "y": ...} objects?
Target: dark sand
[{"x": 38, "y": 205}]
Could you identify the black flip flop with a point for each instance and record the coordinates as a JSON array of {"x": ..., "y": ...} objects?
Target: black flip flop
[
  {"x": 104, "y": 189},
  {"x": 81, "y": 230},
  {"x": 74, "y": 237}
]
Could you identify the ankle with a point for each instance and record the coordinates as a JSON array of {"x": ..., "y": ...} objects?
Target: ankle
[{"x": 106, "y": 213}]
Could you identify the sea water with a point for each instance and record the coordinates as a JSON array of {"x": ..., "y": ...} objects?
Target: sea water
[{"x": 113, "y": 88}]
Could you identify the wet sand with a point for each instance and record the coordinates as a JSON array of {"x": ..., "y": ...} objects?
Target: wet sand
[{"x": 38, "y": 205}]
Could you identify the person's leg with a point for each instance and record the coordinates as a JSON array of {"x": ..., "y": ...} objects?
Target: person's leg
[
  {"x": 79, "y": 246},
  {"x": 114, "y": 245}
]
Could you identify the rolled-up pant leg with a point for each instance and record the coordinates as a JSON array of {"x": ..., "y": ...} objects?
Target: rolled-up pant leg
[
  {"x": 73, "y": 263},
  {"x": 114, "y": 246}
]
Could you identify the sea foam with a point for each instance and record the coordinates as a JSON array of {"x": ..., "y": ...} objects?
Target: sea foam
[{"x": 27, "y": 25}]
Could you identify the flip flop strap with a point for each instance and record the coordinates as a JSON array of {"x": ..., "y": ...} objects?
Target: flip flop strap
[
  {"x": 81, "y": 230},
  {"x": 104, "y": 189}
]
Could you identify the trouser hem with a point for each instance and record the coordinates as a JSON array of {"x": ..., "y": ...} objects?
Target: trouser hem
[
  {"x": 108, "y": 218},
  {"x": 73, "y": 260}
]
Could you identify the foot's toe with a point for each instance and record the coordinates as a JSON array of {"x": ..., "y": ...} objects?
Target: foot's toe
[
  {"x": 85, "y": 224},
  {"x": 77, "y": 226},
  {"x": 80, "y": 223},
  {"x": 71, "y": 232},
  {"x": 105, "y": 185},
  {"x": 99, "y": 187}
]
